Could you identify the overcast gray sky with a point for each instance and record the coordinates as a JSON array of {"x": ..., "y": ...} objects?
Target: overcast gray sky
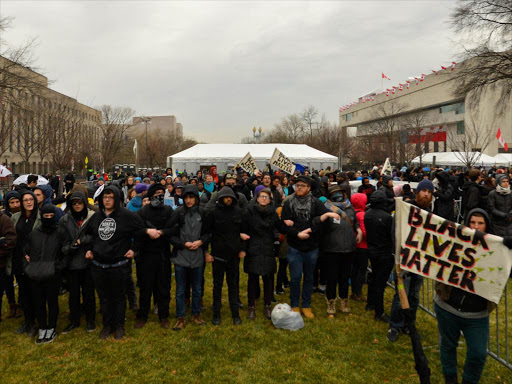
[{"x": 223, "y": 67}]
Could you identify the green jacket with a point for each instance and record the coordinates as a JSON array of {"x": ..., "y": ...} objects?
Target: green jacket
[{"x": 15, "y": 218}]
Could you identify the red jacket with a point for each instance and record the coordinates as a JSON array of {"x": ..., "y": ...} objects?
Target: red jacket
[{"x": 359, "y": 201}]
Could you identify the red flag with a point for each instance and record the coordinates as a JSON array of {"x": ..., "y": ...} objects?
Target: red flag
[
  {"x": 422, "y": 77},
  {"x": 501, "y": 140},
  {"x": 453, "y": 65},
  {"x": 385, "y": 77},
  {"x": 443, "y": 67},
  {"x": 387, "y": 92}
]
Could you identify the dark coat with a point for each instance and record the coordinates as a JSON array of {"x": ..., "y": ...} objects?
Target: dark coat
[
  {"x": 379, "y": 224},
  {"x": 471, "y": 196},
  {"x": 225, "y": 225},
  {"x": 7, "y": 245},
  {"x": 443, "y": 206},
  {"x": 44, "y": 246},
  {"x": 500, "y": 207},
  {"x": 261, "y": 226},
  {"x": 339, "y": 236},
  {"x": 155, "y": 217},
  {"x": 300, "y": 224},
  {"x": 74, "y": 256},
  {"x": 112, "y": 235}
]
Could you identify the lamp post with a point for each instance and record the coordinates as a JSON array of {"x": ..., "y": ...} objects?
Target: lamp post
[
  {"x": 257, "y": 137},
  {"x": 146, "y": 120}
]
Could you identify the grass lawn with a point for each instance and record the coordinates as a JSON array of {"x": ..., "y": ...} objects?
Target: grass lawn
[{"x": 347, "y": 349}]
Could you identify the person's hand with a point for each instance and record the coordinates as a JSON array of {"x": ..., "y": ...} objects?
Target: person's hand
[
  {"x": 359, "y": 236},
  {"x": 77, "y": 242},
  {"x": 188, "y": 244},
  {"x": 27, "y": 257},
  {"x": 89, "y": 255},
  {"x": 195, "y": 245},
  {"x": 129, "y": 254},
  {"x": 288, "y": 223},
  {"x": 335, "y": 216},
  {"x": 257, "y": 173},
  {"x": 304, "y": 235},
  {"x": 244, "y": 236},
  {"x": 241, "y": 254},
  {"x": 153, "y": 233},
  {"x": 208, "y": 258}
]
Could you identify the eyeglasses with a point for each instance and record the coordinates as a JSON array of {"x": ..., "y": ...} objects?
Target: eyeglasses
[
  {"x": 263, "y": 197},
  {"x": 229, "y": 176}
]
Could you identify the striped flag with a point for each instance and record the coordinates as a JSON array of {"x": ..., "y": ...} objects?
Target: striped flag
[{"x": 501, "y": 140}]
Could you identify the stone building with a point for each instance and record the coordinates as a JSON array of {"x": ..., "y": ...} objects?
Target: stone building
[
  {"x": 166, "y": 124},
  {"x": 41, "y": 129}
]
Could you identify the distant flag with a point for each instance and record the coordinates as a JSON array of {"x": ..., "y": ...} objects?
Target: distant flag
[
  {"x": 135, "y": 147},
  {"x": 387, "y": 92},
  {"x": 443, "y": 67},
  {"x": 401, "y": 88},
  {"x": 453, "y": 65},
  {"x": 385, "y": 77},
  {"x": 434, "y": 72},
  {"x": 501, "y": 140},
  {"x": 422, "y": 77},
  {"x": 408, "y": 83}
]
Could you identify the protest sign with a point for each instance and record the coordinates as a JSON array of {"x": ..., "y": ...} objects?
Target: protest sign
[
  {"x": 386, "y": 169},
  {"x": 282, "y": 162},
  {"x": 451, "y": 253},
  {"x": 248, "y": 164}
]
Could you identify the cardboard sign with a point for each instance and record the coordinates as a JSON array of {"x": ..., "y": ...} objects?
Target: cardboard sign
[
  {"x": 282, "y": 162},
  {"x": 248, "y": 164},
  {"x": 451, "y": 253}
]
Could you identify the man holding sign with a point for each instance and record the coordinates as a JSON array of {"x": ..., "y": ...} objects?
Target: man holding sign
[{"x": 471, "y": 270}]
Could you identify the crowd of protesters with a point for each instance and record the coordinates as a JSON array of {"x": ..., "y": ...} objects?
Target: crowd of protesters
[{"x": 305, "y": 232}]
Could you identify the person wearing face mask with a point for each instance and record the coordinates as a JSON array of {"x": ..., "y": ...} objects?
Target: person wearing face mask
[
  {"x": 337, "y": 244},
  {"x": 25, "y": 222},
  {"x": 153, "y": 260},
  {"x": 229, "y": 181},
  {"x": 44, "y": 245},
  {"x": 72, "y": 227}
]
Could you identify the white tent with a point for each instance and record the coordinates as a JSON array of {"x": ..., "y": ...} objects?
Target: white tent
[
  {"x": 225, "y": 156},
  {"x": 452, "y": 159},
  {"x": 503, "y": 159}
]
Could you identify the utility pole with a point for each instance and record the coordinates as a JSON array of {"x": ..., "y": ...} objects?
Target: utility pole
[{"x": 146, "y": 120}]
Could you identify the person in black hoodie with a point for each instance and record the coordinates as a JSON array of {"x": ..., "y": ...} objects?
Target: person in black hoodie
[
  {"x": 387, "y": 187},
  {"x": 153, "y": 261},
  {"x": 112, "y": 229},
  {"x": 379, "y": 223},
  {"x": 72, "y": 227},
  {"x": 471, "y": 195},
  {"x": 44, "y": 246},
  {"x": 224, "y": 223},
  {"x": 7, "y": 244},
  {"x": 25, "y": 222},
  {"x": 444, "y": 204}
]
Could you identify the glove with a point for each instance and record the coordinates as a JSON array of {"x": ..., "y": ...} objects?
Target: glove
[{"x": 507, "y": 242}]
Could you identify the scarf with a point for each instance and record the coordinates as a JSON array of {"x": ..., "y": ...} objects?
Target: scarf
[
  {"x": 503, "y": 191},
  {"x": 301, "y": 206},
  {"x": 209, "y": 187}
]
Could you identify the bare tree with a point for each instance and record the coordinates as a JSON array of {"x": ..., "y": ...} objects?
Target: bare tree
[
  {"x": 24, "y": 132},
  {"x": 485, "y": 28},
  {"x": 468, "y": 145},
  {"x": 414, "y": 124},
  {"x": 385, "y": 126},
  {"x": 308, "y": 117},
  {"x": 114, "y": 131}
]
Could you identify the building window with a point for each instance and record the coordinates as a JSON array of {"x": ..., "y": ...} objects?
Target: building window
[
  {"x": 348, "y": 117},
  {"x": 460, "y": 128},
  {"x": 459, "y": 108}
]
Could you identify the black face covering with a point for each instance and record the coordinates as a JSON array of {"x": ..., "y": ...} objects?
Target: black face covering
[
  {"x": 157, "y": 201},
  {"x": 48, "y": 225}
]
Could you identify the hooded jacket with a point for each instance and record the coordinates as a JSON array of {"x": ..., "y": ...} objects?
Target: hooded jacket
[
  {"x": 48, "y": 191},
  {"x": 74, "y": 256},
  {"x": 379, "y": 224},
  {"x": 458, "y": 301},
  {"x": 7, "y": 245},
  {"x": 112, "y": 235},
  {"x": 224, "y": 223},
  {"x": 18, "y": 219},
  {"x": 471, "y": 197},
  {"x": 44, "y": 244},
  {"x": 260, "y": 223},
  {"x": 359, "y": 201},
  {"x": 338, "y": 236},
  {"x": 188, "y": 225},
  {"x": 443, "y": 206},
  {"x": 8, "y": 196},
  {"x": 500, "y": 208}
]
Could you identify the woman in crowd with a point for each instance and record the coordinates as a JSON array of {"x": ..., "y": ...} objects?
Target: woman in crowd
[
  {"x": 130, "y": 183},
  {"x": 259, "y": 232},
  {"x": 285, "y": 185}
]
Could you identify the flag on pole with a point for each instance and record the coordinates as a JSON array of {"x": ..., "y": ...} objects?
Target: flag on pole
[
  {"x": 386, "y": 169},
  {"x": 443, "y": 67},
  {"x": 4, "y": 172},
  {"x": 453, "y": 66},
  {"x": 135, "y": 147},
  {"x": 501, "y": 140},
  {"x": 385, "y": 77}
]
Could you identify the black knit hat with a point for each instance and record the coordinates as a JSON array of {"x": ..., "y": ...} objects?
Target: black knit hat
[{"x": 153, "y": 188}]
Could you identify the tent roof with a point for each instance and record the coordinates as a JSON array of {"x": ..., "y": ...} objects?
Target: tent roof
[
  {"x": 503, "y": 159},
  {"x": 230, "y": 152},
  {"x": 454, "y": 159}
]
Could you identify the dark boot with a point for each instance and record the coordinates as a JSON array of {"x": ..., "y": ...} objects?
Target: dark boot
[
  {"x": 251, "y": 313},
  {"x": 216, "y": 318},
  {"x": 267, "y": 311},
  {"x": 451, "y": 380}
]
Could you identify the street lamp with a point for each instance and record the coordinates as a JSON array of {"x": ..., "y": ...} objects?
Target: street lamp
[
  {"x": 146, "y": 120},
  {"x": 256, "y": 137}
]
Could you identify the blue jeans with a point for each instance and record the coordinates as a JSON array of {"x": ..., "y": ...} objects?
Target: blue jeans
[
  {"x": 196, "y": 276},
  {"x": 412, "y": 285},
  {"x": 476, "y": 333},
  {"x": 301, "y": 263}
]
